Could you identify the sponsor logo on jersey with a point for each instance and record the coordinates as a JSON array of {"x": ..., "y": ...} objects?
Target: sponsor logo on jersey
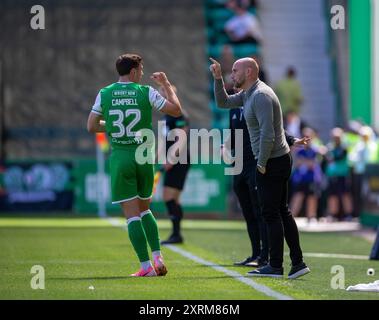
[
  {"x": 122, "y": 93},
  {"x": 136, "y": 140}
]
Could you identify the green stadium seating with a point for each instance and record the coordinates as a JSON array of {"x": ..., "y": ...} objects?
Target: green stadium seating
[
  {"x": 216, "y": 15},
  {"x": 241, "y": 50}
]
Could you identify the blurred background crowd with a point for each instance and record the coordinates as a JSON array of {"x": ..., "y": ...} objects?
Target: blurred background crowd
[{"x": 327, "y": 178}]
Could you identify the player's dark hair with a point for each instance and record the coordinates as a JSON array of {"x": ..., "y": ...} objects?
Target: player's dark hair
[{"x": 126, "y": 62}]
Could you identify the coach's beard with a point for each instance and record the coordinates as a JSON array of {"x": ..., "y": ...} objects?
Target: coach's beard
[{"x": 238, "y": 85}]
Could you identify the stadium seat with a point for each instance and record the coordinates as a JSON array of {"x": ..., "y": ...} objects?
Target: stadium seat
[
  {"x": 245, "y": 50},
  {"x": 221, "y": 14}
]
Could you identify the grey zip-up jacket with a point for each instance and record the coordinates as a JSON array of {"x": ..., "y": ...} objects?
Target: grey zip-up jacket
[{"x": 263, "y": 116}]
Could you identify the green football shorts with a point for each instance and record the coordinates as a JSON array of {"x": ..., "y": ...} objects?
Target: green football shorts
[{"x": 130, "y": 180}]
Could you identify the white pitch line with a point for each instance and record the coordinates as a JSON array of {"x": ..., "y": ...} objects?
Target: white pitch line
[
  {"x": 237, "y": 276},
  {"x": 335, "y": 255},
  {"x": 115, "y": 222}
]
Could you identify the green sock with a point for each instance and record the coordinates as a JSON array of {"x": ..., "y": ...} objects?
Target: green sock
[
  {"x": 151, "y": 230},
  {"x": 138, "y": 238}
]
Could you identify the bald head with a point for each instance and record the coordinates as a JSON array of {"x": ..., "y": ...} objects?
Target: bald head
[
  {"x": 249, "y": 63},
  {"x": 245, "y": 72}
]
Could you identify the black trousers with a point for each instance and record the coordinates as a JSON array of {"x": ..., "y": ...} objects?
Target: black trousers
[
  {"x": 356, "y": 190},
  {"x": 375, "y": 248},
  {"x": 244, "y": 186},
  {"x": 273, "y": 197}
]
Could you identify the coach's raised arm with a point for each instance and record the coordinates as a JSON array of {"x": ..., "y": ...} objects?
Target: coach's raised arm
[{"x": 223, "y": 100}]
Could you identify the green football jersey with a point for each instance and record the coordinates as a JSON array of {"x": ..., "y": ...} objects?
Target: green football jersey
[{"x": 127, "y": 109}]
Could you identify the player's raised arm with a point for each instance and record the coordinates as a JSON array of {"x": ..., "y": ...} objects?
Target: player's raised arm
[
  {"x": 172, "y": 106},
  {"x": 223, "y": 100},
  {"x": 95, "y": 123}
]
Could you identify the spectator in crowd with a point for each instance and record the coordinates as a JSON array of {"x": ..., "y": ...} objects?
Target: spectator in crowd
[
  {"x": 243, "y": 27},
  {"x": 362, "y": 153},
  {"x": 306, "y": 180},
  {"x": 289, "y": 92},
  {"x": 293, "y": 124},
  {"x": 337, "y": 171}
]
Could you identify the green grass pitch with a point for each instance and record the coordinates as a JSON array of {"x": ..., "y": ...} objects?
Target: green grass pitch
[{"x": 77, "y": 253}]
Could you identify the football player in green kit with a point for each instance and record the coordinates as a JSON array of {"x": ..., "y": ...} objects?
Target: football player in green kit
[{"x": 121, "y": 110}]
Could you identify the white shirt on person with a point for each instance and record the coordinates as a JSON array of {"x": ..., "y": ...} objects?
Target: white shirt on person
[{"x": 244, "y": 25}]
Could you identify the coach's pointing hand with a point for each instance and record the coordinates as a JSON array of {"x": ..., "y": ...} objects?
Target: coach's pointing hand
[
  {"x": 215, "y": 68},
  {"x": 301, "y": 142}
]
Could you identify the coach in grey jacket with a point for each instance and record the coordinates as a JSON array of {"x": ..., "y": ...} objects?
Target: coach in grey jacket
[{"x": 263, "y": 116}]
